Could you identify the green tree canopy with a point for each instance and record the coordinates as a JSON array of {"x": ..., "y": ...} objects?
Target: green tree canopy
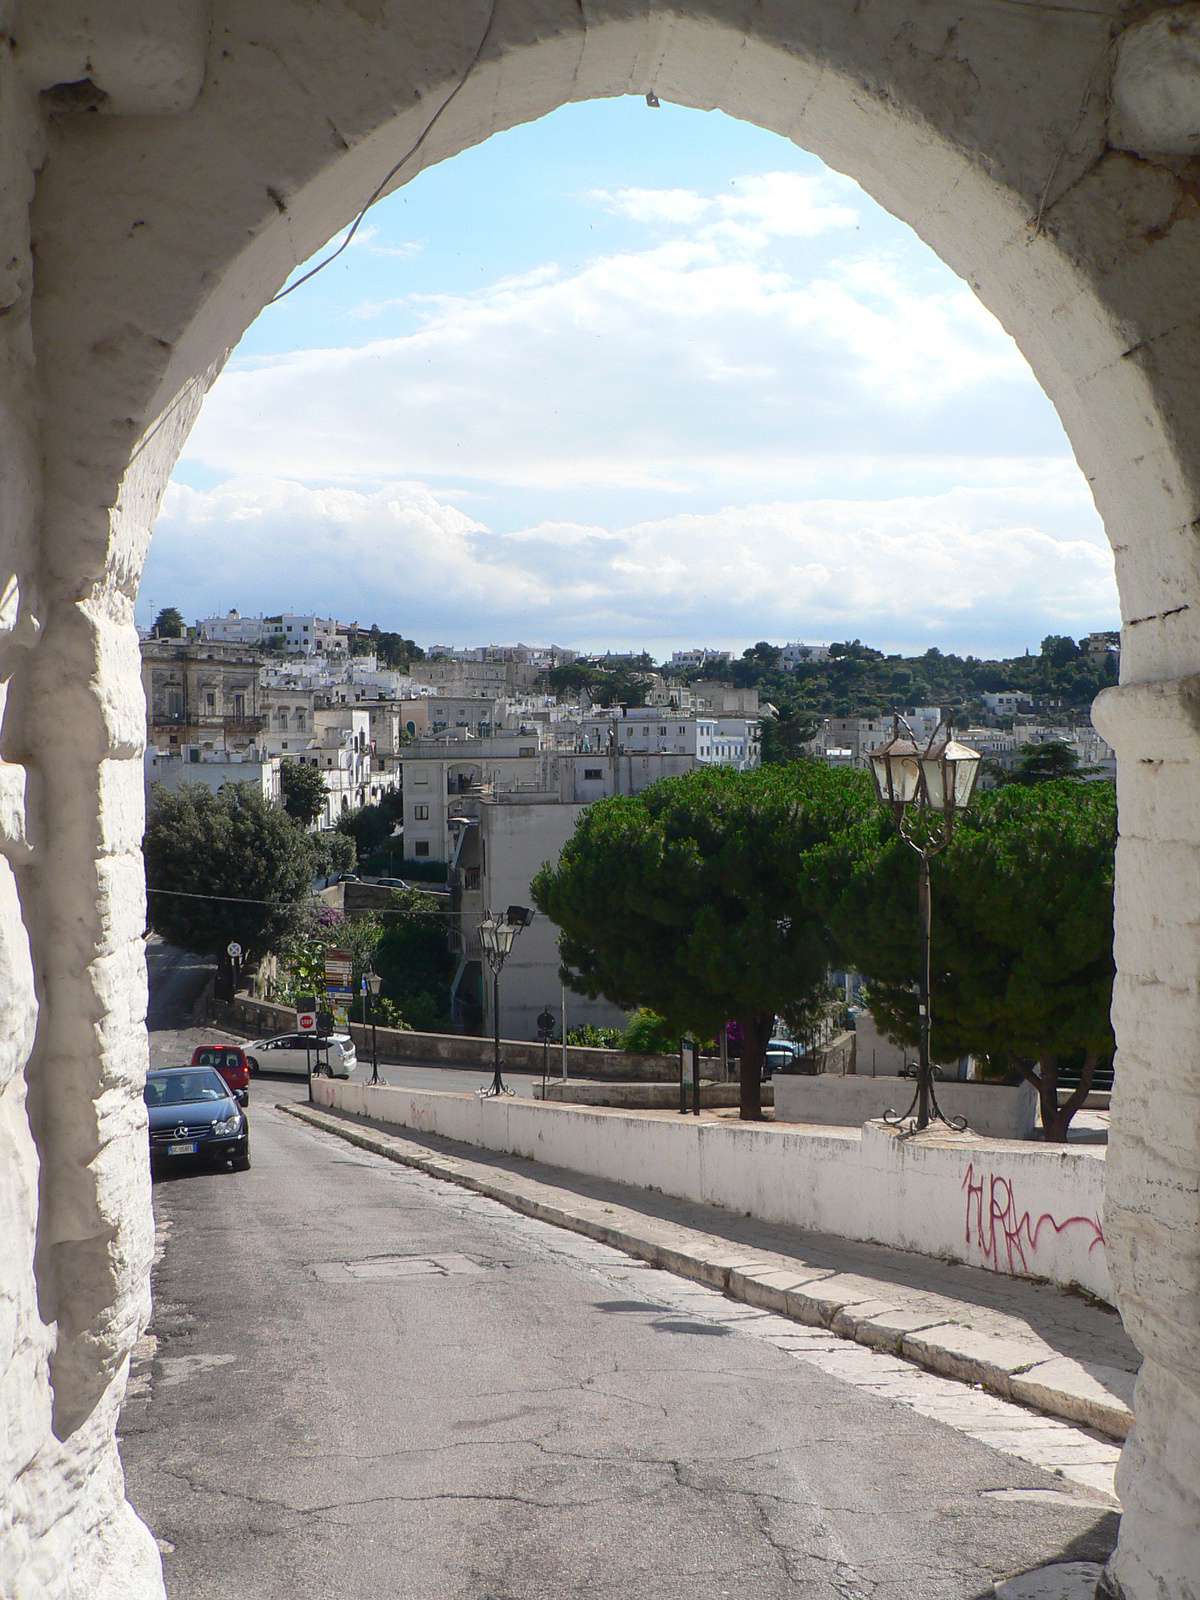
[
  {"x": 169, "y": 623},
  {"x": 1041, "y": 763},
  {"x": 372, "y": 826},
  {"x": 695, "y": 898},
  {"x": 304, "y": 792},
  {"x": 413, "y": 958},
  {"x": 1022, "y": 959},
  {"x": 222, "y": 867},
  {"x": 784, "y": 736}
]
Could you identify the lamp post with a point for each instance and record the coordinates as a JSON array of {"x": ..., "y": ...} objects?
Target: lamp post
[
  {"x": 373, "y": 982},
  {"x": 496, "y": 934},
  {"x": 925, "y": 790}
]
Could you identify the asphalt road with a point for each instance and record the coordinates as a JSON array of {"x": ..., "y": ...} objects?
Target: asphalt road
[{"x": 369, "y": 1384}]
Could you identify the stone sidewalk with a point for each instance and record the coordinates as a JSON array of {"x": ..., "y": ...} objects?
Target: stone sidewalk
[{"x": 1063, "y": 1355}]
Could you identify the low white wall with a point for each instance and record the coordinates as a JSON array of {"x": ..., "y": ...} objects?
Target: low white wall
[
  {"x": 1030, "y": 1209},
  {"x": 991, "y": 1109}
]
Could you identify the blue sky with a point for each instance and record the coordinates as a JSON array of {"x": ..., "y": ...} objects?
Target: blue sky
[{"x": 636, "y": 378}]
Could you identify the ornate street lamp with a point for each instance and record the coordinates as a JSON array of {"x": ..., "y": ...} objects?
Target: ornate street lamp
[
  {"x": 373, "y": 982},
  {"x": 496, "y": 934},
  {"x": 925, "y": 789}
]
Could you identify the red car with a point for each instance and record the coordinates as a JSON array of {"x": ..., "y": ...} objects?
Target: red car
[{"x": 230, "y": 1060}]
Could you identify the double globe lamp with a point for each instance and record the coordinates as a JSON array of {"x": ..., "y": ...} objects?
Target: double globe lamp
[{"x": 925, "y": 790}]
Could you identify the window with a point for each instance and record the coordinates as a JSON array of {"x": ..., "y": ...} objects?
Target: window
[
  {"x": 421, "y": 848},
  {"x": 299, "y": 720},
  {"x": 283, "y": 721},
  {"x": 662, "y": 733},
  {"x": 239, "y": 708},
  {"x": 420, "y": 777},
  {"x": 210, "y": 703},
  {"x": 591, "y": 774},
  {"x": 174, "y": 702},
  {"x": 420, "y": 813}
]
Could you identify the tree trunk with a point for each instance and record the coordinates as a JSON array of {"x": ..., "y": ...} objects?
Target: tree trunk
[
  {"x": 756, "y": 1035},
  {"x": 1055, "y": 1127}
]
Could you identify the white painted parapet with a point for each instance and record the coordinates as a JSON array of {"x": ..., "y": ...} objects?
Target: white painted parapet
[
  {"x": 992, "y": 1109},
  {"x": 1030, "y": 1209}
]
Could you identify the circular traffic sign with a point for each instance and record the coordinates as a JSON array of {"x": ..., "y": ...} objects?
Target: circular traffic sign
[{"x": 233, "y": 949}]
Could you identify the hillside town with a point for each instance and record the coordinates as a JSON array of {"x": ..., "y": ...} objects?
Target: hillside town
[{"x": 481, "y": 760}]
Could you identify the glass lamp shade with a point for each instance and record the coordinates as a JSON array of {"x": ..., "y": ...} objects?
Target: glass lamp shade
[
  {"x": 496, "y": 937},
  {"x": 374, "y": 983},
  {"x": 896, "y": 770},
  {"x": 949, "y": 771}
]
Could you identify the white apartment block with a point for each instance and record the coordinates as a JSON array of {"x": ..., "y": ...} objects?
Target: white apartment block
[
  {"x": 797, "y": 653},
  {"x": 655, "y": 731},
  {"x": 341, "y": 749},
  {"x": 302, "y": 635},
  {"x": 1006, "y": 702},
  {"x": 447, "y": 777},
  {"x": 496, "y": 854},
  {"x": 696, "y": 660},
  {"x": 191, "y": 764}
]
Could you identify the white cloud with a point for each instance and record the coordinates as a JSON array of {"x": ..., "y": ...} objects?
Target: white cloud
[
  {"x": 681, "y": 365},
  {"x": 762, "y": 206},
  {"x": 966, "y": 569},
  {"x": 795, "y": 410}
]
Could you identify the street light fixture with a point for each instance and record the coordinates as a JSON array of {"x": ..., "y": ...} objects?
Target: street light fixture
[
  {"x": 373, "y": 982},
  {"x": 925, "y": 789},
  {"x": 496, "y": 934}
]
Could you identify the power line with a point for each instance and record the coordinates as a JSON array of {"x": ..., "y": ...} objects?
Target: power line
[
  {"x": 392, "y": 172},
  {"x": 292, "y": 905}
]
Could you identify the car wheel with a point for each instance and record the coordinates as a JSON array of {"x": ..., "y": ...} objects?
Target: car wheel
[{"x": 253, "y": 1065}]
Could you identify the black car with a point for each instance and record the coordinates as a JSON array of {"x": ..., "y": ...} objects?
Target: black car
[{"x": 195, "y": 1117}]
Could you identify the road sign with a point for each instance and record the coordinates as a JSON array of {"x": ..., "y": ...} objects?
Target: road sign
[
  {"x": 306, "y": 1021},
  {"x": 339, "y": 974},
  {"x": 233, "y": 949},
  {"x": 545, "y": 1024}
]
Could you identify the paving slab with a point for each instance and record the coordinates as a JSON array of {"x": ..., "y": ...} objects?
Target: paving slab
[{"x": 1062, "y": 1355}]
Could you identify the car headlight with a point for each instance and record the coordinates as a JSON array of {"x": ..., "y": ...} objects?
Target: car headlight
[{"x": 230, "y": 1125}]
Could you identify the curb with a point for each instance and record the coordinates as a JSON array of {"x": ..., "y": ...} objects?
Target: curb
[{"x": 846, "y": 1305}]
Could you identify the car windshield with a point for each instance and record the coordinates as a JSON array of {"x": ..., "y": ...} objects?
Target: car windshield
[
  {"x": 216, "y": 1058},
  {"x": 184, "y": 1088}
]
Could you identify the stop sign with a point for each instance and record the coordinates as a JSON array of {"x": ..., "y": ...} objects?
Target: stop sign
[{"x": 306, "y": 1021}]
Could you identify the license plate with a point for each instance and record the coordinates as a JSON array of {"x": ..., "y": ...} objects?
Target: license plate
[{"x": 181, "y": 1149}]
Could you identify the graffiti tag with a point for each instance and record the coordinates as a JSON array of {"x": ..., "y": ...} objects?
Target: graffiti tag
[{"x": 999, "y": 1226}]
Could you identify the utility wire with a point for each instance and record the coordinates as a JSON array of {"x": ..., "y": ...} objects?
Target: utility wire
[
  {"x": 291, "y": 905},
  {"x": 393, "y": 171}
]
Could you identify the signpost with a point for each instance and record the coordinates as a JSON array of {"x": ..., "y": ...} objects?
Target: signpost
[
  {"x": 234, "y": 951},
  {"x": 339, "y": 976},
  {"x": 306, "y": 1023},
  {"x": 545, "y": 1023},
  {"x": 689, "y": 1074}
]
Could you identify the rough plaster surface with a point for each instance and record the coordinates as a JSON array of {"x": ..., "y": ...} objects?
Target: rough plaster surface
[{"x": 1041, "y": 152}]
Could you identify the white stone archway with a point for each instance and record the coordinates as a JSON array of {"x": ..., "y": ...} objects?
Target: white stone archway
[{"x": 164, "y": 171}]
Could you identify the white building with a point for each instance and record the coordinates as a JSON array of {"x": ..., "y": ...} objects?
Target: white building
[
  {"x": 660, "y": 731},
  {"x": 496, "y": 855},
  {"x": 341, "y": 750},
  {"x": 696, "y": 660},
  {"x": 797, "y": 653},
  {"x": 1006, "y": 702},
  {"x": 193, "y": 765}
]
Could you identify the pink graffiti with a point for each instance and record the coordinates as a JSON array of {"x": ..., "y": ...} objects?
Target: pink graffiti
[{"x": 1003, "y": 1228}]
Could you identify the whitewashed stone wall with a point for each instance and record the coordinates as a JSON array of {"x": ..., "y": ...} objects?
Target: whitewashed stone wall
[{"x": 181, "y": 157}]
